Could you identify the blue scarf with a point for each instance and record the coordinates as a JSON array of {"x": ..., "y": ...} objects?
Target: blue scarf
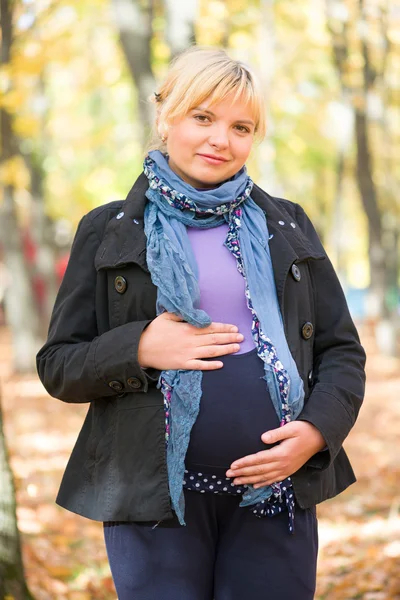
[{"x": 173, "y": 205}]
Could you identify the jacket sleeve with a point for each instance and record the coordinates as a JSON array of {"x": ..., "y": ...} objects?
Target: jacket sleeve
[
  {"x": 76, "y": 364},
  {"x": 338, "y": 357}
]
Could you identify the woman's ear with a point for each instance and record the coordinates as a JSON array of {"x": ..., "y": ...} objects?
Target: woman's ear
[{"x": 162, "y": 128}]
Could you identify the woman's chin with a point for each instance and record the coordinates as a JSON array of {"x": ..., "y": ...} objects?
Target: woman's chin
[{"x": 210, "y": 180}]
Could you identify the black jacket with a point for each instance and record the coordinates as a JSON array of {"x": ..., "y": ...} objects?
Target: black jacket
[{"x": 117, "y": 470}]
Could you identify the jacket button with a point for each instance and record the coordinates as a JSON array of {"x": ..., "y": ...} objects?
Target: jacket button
[
  {"x": 116, "y": 385},
  {"x": 296, "y": 272},
  {"x": 134, "y": 382},
  {"x": 120, "y": 284},
  {"x": 307, "y": 330}
]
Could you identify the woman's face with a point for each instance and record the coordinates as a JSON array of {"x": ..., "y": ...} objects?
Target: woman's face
[{"x": 211, "y": 143}]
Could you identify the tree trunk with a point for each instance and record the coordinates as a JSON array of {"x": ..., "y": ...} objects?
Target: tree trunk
[
  {"x": 266, "y": 47},
  {"x": 12, "y": 579},
  {"x": 338, "y": 215},
  {"x": 383, "y": 243},
  {"x": 134, "y": 22},
  {"x": 43, "y": 236},
  {"x": 20, "y": 309},
  {"x": 388, "y": 331},
  {"x": 379, "y": 240},
  {"x": 377, "y": 305},
  {"x": 42, "y": 229},
  {"x": 180, "y": 27}
]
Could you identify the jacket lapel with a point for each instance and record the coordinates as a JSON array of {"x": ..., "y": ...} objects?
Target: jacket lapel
[
  {"x": 124, "y": 239},
  {"x": 287, "y": 244}
]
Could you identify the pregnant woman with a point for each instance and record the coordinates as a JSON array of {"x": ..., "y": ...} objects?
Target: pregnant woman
[{"x": 202, "y": 321}]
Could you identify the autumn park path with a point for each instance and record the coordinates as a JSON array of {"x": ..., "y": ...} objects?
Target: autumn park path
[{"x": 64, "y": 554}]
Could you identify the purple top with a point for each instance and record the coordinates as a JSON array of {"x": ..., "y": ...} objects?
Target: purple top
[{"x": 222, "y": 287}]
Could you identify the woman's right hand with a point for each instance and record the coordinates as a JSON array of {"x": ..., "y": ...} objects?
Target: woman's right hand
[{"x": 168, "y": 342}]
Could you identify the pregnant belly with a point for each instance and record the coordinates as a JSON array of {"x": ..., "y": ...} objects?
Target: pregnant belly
[{"x": 235, "y": 410}]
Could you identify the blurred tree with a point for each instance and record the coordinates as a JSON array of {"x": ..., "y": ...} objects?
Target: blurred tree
[
  {"x": 41, "y": 226},
  {"x": 135, "y": 25},
  {"x": 12, "y": 579},
  {"x": 297, "y": 158},
  {"x": 20, "y": 308},
  {"x": 80, "y": 125},
  {"x": 266, "y": 48},
  {"x": 180, "y": 24},
  {"x": 361, "y": 48}
]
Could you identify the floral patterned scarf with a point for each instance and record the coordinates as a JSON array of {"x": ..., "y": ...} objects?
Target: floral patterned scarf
[{"x": 173, "y": 205}]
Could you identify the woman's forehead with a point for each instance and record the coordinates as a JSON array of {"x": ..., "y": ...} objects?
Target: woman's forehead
[{"x": 240, "y": 106}]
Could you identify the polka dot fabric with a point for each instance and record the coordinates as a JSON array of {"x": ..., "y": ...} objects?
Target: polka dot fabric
[
  {"x": 202, "y": 482},
  {"x": 281, "y": 499}
]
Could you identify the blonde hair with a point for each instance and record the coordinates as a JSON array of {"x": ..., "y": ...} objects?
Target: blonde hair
[{"x": 199, "y": 73}]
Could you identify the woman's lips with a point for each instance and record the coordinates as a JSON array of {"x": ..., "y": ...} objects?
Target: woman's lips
[{"x": 211, "y": 160}]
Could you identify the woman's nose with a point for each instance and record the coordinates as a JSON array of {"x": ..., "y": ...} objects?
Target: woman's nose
[{"x": 219, "y": 139}]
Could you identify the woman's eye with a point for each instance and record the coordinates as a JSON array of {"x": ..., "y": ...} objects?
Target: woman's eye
[
  {"x": 201, "y": 118},
  {"x": 243, "y": 129}
]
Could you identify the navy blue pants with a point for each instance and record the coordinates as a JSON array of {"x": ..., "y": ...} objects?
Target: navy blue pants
[{"x": 223, "y": 553}]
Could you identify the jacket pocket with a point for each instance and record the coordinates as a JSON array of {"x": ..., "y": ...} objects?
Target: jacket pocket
[
  {"x": 138, "y": 445},
  {"x": 137, "y": 467}
]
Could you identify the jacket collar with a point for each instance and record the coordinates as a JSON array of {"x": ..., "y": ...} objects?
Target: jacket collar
[
  {"x": 124, "y": 240},
  {"x": 280, "y": 226}
]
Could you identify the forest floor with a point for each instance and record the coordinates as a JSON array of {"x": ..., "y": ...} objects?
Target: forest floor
[{"x": 64, "y": 554}]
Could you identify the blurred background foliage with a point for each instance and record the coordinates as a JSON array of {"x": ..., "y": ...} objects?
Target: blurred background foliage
[
  {"x": 75, "y": 77},
  {"x": 74, "y": 81}
]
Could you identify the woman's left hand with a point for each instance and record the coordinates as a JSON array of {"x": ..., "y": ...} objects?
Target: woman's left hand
[{"x": 299, "y": 441}]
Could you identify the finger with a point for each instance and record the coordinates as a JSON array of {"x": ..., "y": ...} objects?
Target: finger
[
  {"x": 219, "y": 328},
  {"x": 204, "y": 365},
  {"x": 251, "y": 480},
  {"x": 213, "y": 351},
  {"x": 218, "y": 339},
  {"x": 254, "y": 469},
  {"x": 269, "y": 481},
  {"x": 281, "y": 433},
  {"x": 250, "y": 460}
]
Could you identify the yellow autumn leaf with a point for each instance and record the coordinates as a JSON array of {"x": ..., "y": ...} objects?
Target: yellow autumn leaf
[
  {"x": 26, "y": 126},
  {"x": 60, "y": 52},
  {"x": 5, "y": 76},
  {"x": 13, "y": 100},
  {"x": 161, "y": 51},
  {"x": 14, "y": 172},
  {"x": 217, "y": 9},
  {"x": 240, "y": 40},
  {"x": 28, "y": 65},
  {"x": 60, "y": 571}
]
